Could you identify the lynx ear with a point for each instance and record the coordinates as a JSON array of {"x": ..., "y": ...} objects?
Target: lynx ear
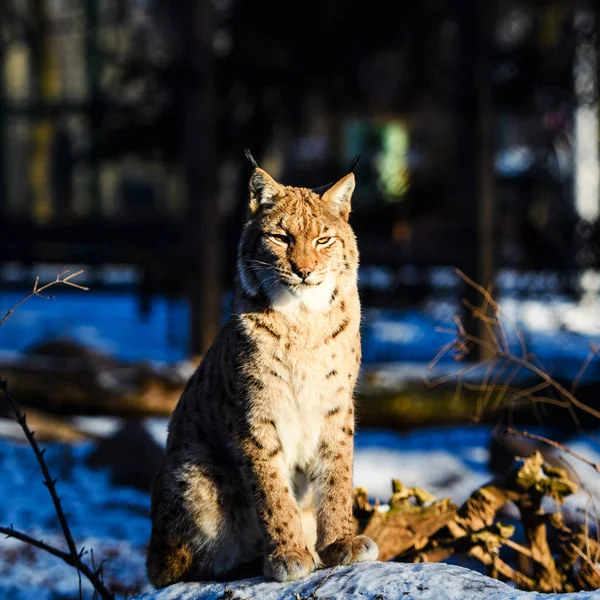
[
  {"x": 263, "y": 189},
  {"x": 339, "y": 194}
]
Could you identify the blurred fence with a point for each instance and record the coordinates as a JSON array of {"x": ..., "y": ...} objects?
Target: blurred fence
[{"x": 122, "y": 126}]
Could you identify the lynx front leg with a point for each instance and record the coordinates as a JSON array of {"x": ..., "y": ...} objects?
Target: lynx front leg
[
  {"x": 336, "y": 542},
  {"x": 287, "y": 556}
]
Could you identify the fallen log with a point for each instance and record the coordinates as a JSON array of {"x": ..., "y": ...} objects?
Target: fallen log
[
  {"x": 64, "y": 377},
  {"x": 416, "y": 528}
]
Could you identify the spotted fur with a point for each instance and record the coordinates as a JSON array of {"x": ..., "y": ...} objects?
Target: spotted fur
[{"x": 264, "y": 430}]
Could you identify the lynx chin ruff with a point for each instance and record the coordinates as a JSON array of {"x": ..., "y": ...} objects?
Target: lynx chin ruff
[{"x": 263, "y": 432}]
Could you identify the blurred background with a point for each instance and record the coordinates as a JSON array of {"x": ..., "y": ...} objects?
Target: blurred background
[{"x": 122, "y": 129}]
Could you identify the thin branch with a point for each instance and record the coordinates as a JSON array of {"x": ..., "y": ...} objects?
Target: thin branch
[
  {"x": 67, "y": 558},
  {"x": 505, "y": 387},
  {"x": 553, "y": 383},
  {"x": 39, "y": 454},
  {"x": 558, "y": 445},
  {"x": 72, "y": 558},
  {"x": 441, "y": 353},
  {"x": 586, "y": 558},
  {"x": 592, "y": 353},
  {"x": 10, "y": 532},
  {"x": 431, "y": 383},
  {"x": 591, "y": 502},
  {"x": 492, "y": 559},
  {"x": 518, "y": 548},
  {"x": 486, "y": 295},
  {"x": 314, "y": 592},
  {"x": 494, "y": 384},
  {"x": 489, "y": 322},
  {"x": 500, "y": 350},
  {"x": 37, "y": 291},
  {"x": 72, "y": 561},
  {"x": 480, "y": 401}
]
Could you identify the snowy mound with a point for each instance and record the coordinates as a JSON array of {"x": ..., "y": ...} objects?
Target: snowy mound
[{"x": 381, "y": 581}]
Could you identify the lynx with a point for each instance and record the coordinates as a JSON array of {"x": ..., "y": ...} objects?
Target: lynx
[{"x": 264, "y": 428}]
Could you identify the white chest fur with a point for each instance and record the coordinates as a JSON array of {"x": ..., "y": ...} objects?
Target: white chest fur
[
  {"x": 298, "y": 417},
  {"x": 315, "y": 298}
]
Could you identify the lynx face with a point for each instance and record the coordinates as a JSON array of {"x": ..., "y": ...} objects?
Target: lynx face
[{"x": 297, "y": 246}]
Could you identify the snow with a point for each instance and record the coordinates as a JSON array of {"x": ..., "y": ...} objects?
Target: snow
[
  {"x": 446, "y": 461},
  {"x": 97, "y": 426},
  {"x": 587, "y": 498},
  {"x": 112, "y": 520},
  {"x": 557, "y": 329},
  {"x": 10, "y": 429},
  {"x": 372, "y": 581},
  {"x": 115, "y": 520},
  {"x": 157, "y": 428},
  {"x": 108, "y": 321}
]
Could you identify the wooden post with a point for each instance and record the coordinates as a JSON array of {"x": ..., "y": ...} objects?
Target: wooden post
[
  {"x": 93, "y": 99},
  {"x": 204, "y": 282},
  {"x": 476, "y": 151},
  {"x": 486, "y": 146},
  {"x": 3, "y": 101}
]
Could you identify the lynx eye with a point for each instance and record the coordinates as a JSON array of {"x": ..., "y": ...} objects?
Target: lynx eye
[
  {"x": 323, "y": 241},
  {"x": 279, "y": 238}
]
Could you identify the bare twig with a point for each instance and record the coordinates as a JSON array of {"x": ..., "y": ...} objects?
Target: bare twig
[
  {"x": 73, "y": 557},
  {"x": 37, "y": 291},
  {"x": 67, "y": 558},
  {"x": 555, "y": 444},
  {"x": 500, "y": 351},
  {"x": 553, "y": 383},
  {"x": 523, "y": 581},
  {"x": 591, "y": 502},
  {"x": 322, "y": 582},
  {"x": 39, "y": 454},
  {"x": 18, "y": 535},
  {"x": 586, "y": 363}
]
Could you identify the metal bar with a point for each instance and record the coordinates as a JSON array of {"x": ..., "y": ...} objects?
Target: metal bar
[
  {"x": 476, "y": 152},
  {"x": 54, "y": 109},
  {"x": 93, "y": 70},
  {"x": 205, "y": 243},
  {"x": 3, "y": 182}
]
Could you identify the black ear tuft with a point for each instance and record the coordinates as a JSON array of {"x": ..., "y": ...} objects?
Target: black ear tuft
[
  {"x": 250, "y": 158},
  {"x": 323, "y": 188},
  {"x": 354, "y": 163}
]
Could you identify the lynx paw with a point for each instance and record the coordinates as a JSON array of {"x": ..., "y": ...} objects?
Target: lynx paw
[
  {"x": 349, "y": 550},
  {"x": 290, "y": 566}
]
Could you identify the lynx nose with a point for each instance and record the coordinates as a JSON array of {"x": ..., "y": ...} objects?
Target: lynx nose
[{"x": 303, "y": 272}]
